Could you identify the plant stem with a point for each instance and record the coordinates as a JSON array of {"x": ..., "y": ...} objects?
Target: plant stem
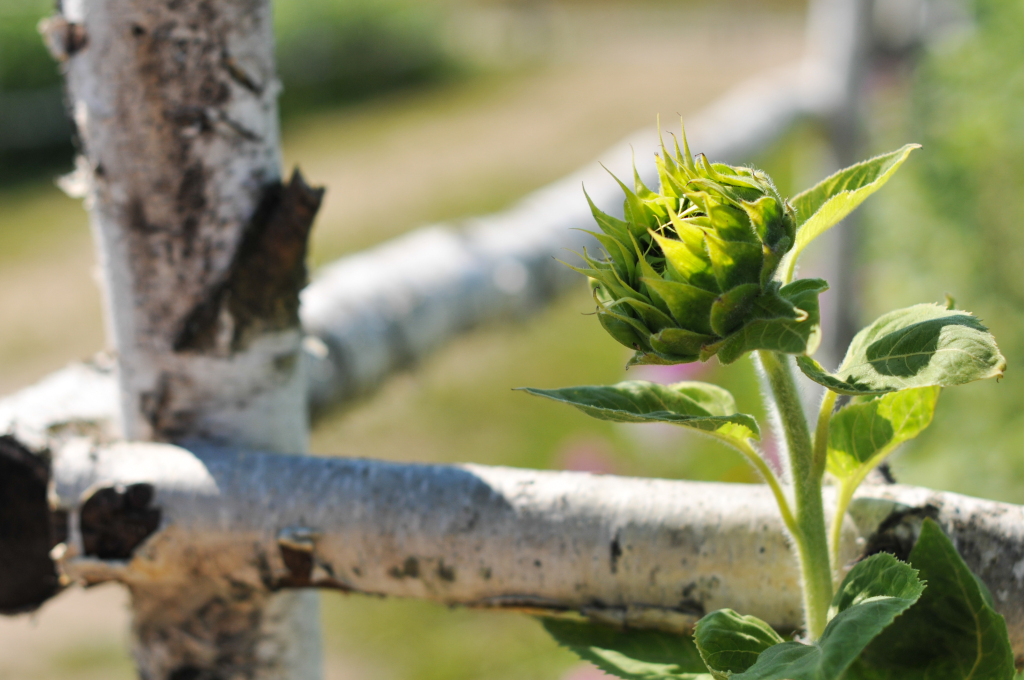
[
  {"x": 768, "y": 475},
  {"x": 843, "y": 496},
  {"x": 828, "y": 404},
  {"x": 812, "y": 538}
]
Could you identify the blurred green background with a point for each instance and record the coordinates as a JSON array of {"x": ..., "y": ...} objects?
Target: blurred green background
[{"x": 468, "y": 105}]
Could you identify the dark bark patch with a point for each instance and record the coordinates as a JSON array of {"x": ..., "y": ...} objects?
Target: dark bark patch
[
  {"x": 28, "y": 577},
  {"x": 192, "y": 189},
  {"x": 898, "y": 533},
  {"x": 261, "y": 288},
  {"x": 193, "y": 673},
  {"x": 300, "y": 567},
  {"x": 117, "y": 519},
  {"x": 616, "y": 552},
  {"x": 239, "y": 75},
  {"x": 409, "y": 569},
  {"x": 445, "y": 572},
  {"x": 75, "y": 39}
]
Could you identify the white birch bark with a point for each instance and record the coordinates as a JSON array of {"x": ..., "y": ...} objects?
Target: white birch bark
[{"x": 201, "y": 249}]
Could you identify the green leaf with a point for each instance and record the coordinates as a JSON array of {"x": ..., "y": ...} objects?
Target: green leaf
[
  {"x": 731, "y": 308},
  {"x": 828, "y": 202},
  {"x": 862, "y": 434},
  {"x": 953, "y": 633},
  {"x": 800, "y": 335},
  {"x": 920, "y": 346},
  {"x": 872, "y": 595},
  {"x": 730, "y": 643},
  {"x": 698, "y": 405},
  {"x": 630, "y": 654},
  {"x": 690, "y": 306},
  {"x": 679, "y": 343}
]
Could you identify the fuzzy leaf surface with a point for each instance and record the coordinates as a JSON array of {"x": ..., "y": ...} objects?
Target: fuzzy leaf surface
[
  {"x": 872, "y": 595},
  {"x": 698, "y": 405},
  {"x": 828, "y": 202},
  {"x": 782, "y": 333},
  {"x": 953, "y": 633},
  {"x": 862, "y": 434},
  {"x": 920, "y": 346},
  {"x": 730, "y": 643},
  {"x": 630, "y": 654}
]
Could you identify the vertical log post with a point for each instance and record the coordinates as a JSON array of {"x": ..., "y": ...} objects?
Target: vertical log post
[{"x": 203, "y": 255}]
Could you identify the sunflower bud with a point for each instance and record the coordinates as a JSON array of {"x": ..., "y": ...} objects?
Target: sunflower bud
[{"x": 691, "y": 266}]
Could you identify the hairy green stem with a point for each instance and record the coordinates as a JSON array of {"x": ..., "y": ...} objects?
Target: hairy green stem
[
  {"x": 811, "y": 538},
  {"x": 828, "y": 404},
  {"x": 844, "y": 494},
  {"x": 768, "y": 475}
]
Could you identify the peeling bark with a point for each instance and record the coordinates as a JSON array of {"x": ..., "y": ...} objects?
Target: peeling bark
[
  {"x": 260, "y": 292},
  {"x": 114, "y": 520},
  {"x": 28, "y": 577}
]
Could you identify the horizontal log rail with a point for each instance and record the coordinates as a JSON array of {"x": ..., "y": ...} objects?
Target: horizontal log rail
[{"x": 640, "y": 552}]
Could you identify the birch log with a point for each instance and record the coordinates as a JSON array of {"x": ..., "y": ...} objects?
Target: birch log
[
  {"x": 627, "y": 551},
  {"x": 202, "y": 250}
]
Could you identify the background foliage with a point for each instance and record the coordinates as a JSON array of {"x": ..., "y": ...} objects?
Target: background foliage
[{"x": 952, "y": 224}]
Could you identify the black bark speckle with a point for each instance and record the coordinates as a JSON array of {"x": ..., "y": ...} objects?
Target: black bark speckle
[
  {"x": 117, "y": 519},
  {"x": 615, "y": 551},
  {"x": 28, "y": 577}
]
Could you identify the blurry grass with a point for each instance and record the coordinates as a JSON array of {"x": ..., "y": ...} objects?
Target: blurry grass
[
  {"x": 99, "y": 660},
  {"x": 40, "y": 221},
  {"x": 415, "y": 639}
]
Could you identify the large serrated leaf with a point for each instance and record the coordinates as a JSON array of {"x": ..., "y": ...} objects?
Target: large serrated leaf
[
  {"x": 951, "y": 634},
  {"x": 828, "y": 202},
  {"x": 630, "y": 654},
  {"x": 872, "y": 595},
  {"x": 920, "y": 346},
  {"x": 730, "y": 643},
  {"x": 862, "y": 434},
  {"x": 697, "y": 405},
  {"x": 783, "y": 333}
]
